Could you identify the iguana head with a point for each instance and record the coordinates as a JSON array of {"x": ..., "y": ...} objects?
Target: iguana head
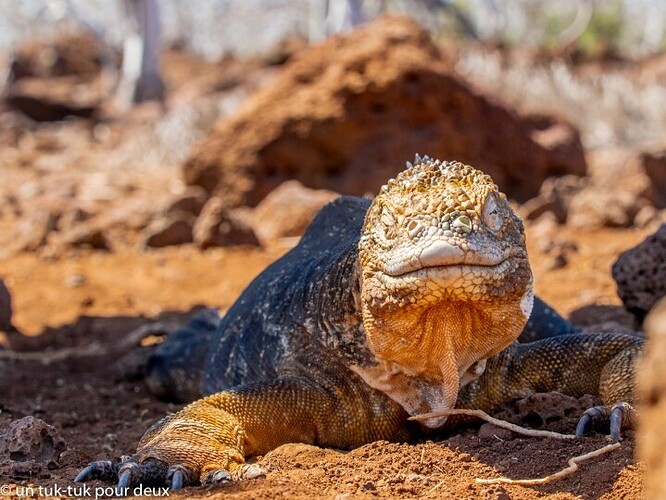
[{"x": 445, "y": 282}]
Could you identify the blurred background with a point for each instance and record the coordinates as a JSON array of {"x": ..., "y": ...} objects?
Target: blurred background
[
  {"x": 216, "y": 27},
  {"x": 566, "y": 32},
  {"x": 146, "y": 124}
]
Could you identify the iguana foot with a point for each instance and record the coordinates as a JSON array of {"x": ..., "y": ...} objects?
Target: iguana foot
[
  {"x": 153, "y": 472},
  {"x": 129, "y": 473},
  {"x": 619, "y": 416}
]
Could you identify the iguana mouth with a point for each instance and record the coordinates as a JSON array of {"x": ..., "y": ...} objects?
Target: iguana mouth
[
  {"x": 441, "y": 256},
  {"x": 457, "y": 270}
]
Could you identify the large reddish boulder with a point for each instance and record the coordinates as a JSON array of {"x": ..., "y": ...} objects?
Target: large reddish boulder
[
  {"x": 54, "y": 98},
  {"x": 52, "y": 77},
  {"x": 623, "y": 188},
  {"x": 345, "y": 115},
  {"x": 654, "y": 166},
  {"x": 287, "y": 211},
  {"x": 68, "y": 53}
]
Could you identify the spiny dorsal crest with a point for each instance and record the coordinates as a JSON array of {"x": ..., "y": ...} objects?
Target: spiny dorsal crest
[{"x": 424, "y": 173}]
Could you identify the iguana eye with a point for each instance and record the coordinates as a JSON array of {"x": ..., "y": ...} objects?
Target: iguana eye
[{"x": 492, "y": 218}]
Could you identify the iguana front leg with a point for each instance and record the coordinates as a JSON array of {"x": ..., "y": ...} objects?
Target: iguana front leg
[
  {"x": 601, "y": 364},
  {"x": 208, "y": 440}
]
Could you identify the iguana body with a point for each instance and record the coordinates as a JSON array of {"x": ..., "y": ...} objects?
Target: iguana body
[{"x": 385, "y": 310}]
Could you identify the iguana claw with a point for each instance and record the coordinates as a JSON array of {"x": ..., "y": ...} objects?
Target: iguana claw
[
  {"x": 583, "y": 424},
  {"x": 106, "y": 470},
  {"x": 179, "y": 476},
  {"x": 124, "y": 483},
  {"x": 622, "y": 415},
  {"x": 619, "y": 415},
  {"x": 177, "y": 480}
]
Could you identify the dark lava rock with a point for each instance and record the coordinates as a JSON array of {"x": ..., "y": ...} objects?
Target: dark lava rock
[
  {"x": 29, "y": 447},
  {"x": 640, "y": 274}
]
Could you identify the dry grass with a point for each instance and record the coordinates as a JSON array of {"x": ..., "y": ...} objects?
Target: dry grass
[{"x": 616, "y": 106}]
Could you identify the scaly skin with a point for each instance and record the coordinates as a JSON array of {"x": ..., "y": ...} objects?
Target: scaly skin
[
  {"x": 578, "y": 364},
  {"x": 413, "y": 309}
]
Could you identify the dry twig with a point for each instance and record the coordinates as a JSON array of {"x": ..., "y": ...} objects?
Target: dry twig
[
  {"x": 434, "y": 487},
  {"x": 495, "y": 421},
  {"x": 573, "y": 467},
  {"x": 573, "y": 462}
]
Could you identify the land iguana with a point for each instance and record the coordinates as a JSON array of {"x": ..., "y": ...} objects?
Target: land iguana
[{"x": 386, "y": 309}]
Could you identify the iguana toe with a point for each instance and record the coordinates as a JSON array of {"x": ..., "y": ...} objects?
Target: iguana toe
[
  {"x": 623, "y": 415},
  {"x": 249, "y": 471},
  {"x": 244, "y": 471},
  {"x": 177, "y": 480},
  {"x": 124, "y": 483},
  {"x": 151, "y": 472},
  {"x": 620, "y": 415},
  {"x": 217, "y": 476},
  {"x": 179, "y": 476}
]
